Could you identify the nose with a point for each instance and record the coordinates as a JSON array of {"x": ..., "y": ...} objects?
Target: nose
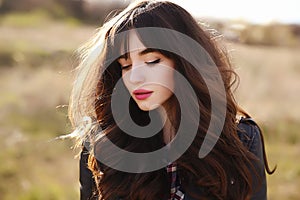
[{"x": 137, "y": 74}]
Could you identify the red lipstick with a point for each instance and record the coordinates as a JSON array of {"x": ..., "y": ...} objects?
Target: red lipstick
[{"x": 142, "y": 94}]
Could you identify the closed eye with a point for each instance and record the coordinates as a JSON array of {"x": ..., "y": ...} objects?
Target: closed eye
[
  {"x": 125, "y": 67},
  {"x": 153, "y": 62}
]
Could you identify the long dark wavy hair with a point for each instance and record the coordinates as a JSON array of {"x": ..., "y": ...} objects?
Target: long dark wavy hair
[{"x": 228, "y": 160}]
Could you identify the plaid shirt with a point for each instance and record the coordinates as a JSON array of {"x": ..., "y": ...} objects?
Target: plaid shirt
[{"x": 175, "y": 193}]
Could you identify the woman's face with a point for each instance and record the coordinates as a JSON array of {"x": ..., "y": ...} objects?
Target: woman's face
[{"x": 147, "y": 74}]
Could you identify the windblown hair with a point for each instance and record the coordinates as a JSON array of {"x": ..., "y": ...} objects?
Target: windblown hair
[{"x": 91, "y": 97}]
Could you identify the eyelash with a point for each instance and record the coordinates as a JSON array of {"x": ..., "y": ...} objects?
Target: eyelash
[
  {"x": 148, "y": 63},
  {"x": 153, "y": 62},
  {"x": 125, "y": 67}
]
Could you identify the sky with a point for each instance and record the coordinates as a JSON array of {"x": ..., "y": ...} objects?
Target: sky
[{"x": 255, "y": 11}]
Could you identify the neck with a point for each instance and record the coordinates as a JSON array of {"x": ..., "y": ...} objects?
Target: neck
[{"x": 168, "y": 129}]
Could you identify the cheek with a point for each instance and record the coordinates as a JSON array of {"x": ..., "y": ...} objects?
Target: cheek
[
  {"x": 125, "y": 79},
  {"x": 166, "y": 79},
  {"x": 170, "y": 80}
]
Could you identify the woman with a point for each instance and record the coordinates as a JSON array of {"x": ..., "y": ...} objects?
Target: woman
[{"x": 153, "y": 106}]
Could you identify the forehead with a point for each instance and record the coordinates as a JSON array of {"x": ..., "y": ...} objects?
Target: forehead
[
  {"x": 131, "y": 43},
  {"x": 134, "y": 42}
]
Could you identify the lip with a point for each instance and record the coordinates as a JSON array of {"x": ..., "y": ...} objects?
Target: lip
[{"x": 142, "y": 94}]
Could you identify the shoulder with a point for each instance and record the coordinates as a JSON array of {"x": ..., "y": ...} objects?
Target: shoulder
[
  {"x": 86, "y": 180},
  {"x": 249, "y": 133}
]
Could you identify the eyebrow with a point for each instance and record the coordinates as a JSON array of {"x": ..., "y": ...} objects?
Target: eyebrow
[{"x": 148, "y": 50}]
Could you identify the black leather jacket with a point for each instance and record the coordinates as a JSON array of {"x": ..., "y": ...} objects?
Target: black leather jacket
[{"x": 249, "y": 134}]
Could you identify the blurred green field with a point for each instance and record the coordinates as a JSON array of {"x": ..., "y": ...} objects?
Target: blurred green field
[{"x": 36, "y": 65}]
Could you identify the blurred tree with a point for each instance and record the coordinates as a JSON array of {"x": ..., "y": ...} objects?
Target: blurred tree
[
  {"x": 98, "y": 11},
  {"x": 22, "y": 5},
  {"x": 272, "y": 34},
  {"x": 296, "y": 30},
  {"x": 73, "y": 8},
  {"x": 85, "y": 10}
]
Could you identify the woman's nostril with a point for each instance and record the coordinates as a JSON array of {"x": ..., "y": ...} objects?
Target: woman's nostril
[
  {"x": 136, "y": 77},
  {"x": 137, "y": 74}
]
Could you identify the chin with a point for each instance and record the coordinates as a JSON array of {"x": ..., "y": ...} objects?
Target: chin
[{"x": 146, "y": 107}]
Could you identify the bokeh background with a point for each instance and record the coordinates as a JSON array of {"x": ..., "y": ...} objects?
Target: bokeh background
[{"x": 37, "y": 44}]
